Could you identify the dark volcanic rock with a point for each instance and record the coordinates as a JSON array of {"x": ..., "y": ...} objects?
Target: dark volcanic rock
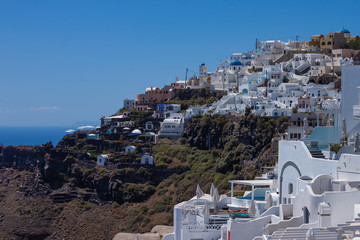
[{"x": 21, "y": 158}]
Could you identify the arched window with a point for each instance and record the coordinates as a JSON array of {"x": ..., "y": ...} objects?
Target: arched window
[{"x": 291, "y": 188}]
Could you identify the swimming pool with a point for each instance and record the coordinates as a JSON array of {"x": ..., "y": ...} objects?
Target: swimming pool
[{"x": 255, "y": 198}]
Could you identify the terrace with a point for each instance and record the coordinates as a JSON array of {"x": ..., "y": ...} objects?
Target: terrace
[{"x": 255, "y": 197}]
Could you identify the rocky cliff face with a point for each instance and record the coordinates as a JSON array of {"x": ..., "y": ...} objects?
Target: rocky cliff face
[
  {"x": 45, "y": 160},
  {"x": 21, "y": 158},
  {"x": 45, "y": 192},
  {"x": 66, "y": 174}
]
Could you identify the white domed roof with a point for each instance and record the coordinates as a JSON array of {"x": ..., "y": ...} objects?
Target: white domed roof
[{"x": 136, "y": 131}]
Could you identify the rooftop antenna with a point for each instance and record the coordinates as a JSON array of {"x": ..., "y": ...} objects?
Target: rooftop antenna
[
  {"x": 186, "y": 76},
  {"x": 256, "y": 46}
]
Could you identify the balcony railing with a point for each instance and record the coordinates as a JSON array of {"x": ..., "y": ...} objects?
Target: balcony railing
[
  {"x": 330, "y": 105},
  {"x": 356, "y": 112},
  {"x": 203, "y": 228}
]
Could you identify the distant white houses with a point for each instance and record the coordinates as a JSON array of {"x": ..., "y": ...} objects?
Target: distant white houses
[
  {"x": 130, "y": 149},
  {"x": 122, "y": 120},
  {"x": 193, "y": 111},
  {"x": 129, "y": 104},
  {"x": 102, "y": 159},
  {"x": 164, "y": 110},
  {"x": 149, "y": 125},
  {"x": 147, "y": 159},
  {"x": 312, "y": 192},
  {"x": 172, "y": 127}
]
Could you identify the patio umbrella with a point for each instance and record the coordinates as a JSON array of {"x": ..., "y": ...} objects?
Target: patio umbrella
[
  {"x": 269, "y": 201},
  {"x": 86, "y": 127},
  {"x": 70, "y": 131},
  {"x": 199, "y": 192},
  {"x": 252, "y": 209},
  {"x": 135, "y": 132},
  {"x": 206, "y": 209},
  {"x": 215, "y": 196},
  {"x": 212, "y": 189}
]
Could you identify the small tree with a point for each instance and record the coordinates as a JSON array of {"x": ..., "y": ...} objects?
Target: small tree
[
  {"x": 247, "y": 110},
  {"x": 335, "y": 147}
]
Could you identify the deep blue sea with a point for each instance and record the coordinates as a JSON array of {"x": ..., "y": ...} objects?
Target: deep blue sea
[{"x": 31, "y": 135}]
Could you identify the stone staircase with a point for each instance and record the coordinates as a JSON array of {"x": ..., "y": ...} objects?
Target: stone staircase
[
  {"x": 63, "y": 197},
  {"x": 305, "y": 70},
  {"x": 300, "y": 234},
  {"x": 284, "y": 58},
  {"x": 317, "y": 153}
]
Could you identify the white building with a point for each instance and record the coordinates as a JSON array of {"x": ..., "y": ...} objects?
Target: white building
[
  {"x": 244, "y": 58},
  {"x": 309, "y": 194},
  {"x": 172, "y": 127},
  {"x": 149, "y": 125},
  {"x": 163, "y": 110},
  {"x": 193, "y": 111},
  {"x": 130, "y": 149},
  {"x": 233, "y": 76},
  {"x": 129, "y": 104},
  {"x": 147, "y": 159},
  {"x": 312, "y": 193},
  {"x": 309, "y": 64},
  {"x": 102, "y": 159}
]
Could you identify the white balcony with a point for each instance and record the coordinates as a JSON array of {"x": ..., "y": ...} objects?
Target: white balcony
[
  {"x": 356, "y": 112},
  {"x": 203, "y": 228},
  {"x": 330, "y": 105}
]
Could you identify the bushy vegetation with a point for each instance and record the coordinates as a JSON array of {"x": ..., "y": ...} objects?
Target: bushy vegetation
[
  {"x": 213, "y": 149},
  {"x": 353, "y": 44},
  {"x": 195, "y": 97},
  {"x": 218, "y": 149}
]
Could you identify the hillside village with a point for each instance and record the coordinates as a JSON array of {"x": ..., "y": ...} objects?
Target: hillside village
[
  {"x": 305, "y": 181},
  {"x": 244, "y": 120},
  {"x": 300, "y": 80}
]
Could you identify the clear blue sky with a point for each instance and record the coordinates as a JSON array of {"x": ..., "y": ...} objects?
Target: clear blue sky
[{"x": 64, "y": 61}]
